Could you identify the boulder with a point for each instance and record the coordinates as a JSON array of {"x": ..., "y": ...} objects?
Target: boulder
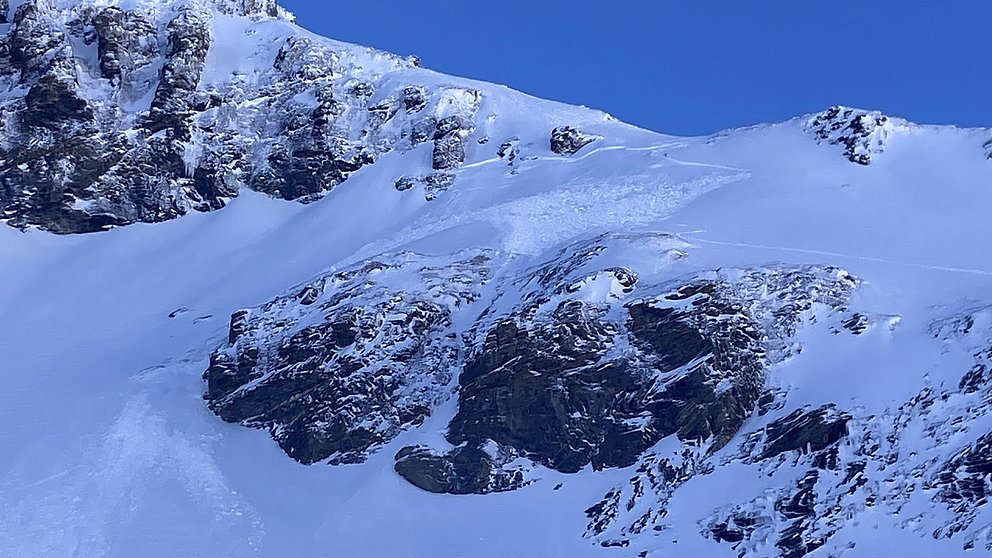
[
  {"x": 566, "y": 140},
  {"x": 463, "y": 470}
]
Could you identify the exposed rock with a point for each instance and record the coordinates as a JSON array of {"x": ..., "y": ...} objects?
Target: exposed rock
[
  {"x": 422, "y": 130},
  {"x": 163, "y": 143},
  {"x": 52, "y": 103},
  {"x": 39, "y": 46},
  {"x": 347, "y": 362},
  {"x": 522, "y": 389},
  {"x": 436, "y": 184},
  {"x": 806, "y": 432},
  {"x": 988, "y": 149},
  {"x": 975, "y": 379},
  {"x": 414, "y": 98},
  {"x": 857, "y": 323},
  {"x": 967, "y": 479},
  {"x": 566, "y": 140},
  {"x": 550, "y": 388},
  {"x": 404, "y": 183},
  {"x": 509, "y": 150},
  {"x": 175, "y": 98},
  {"x": 449, "y": 142},
  {"x": 799, "y": 509},
  {"x": 464, "y": 470},
  {"x": 546, "y": 382},
  {"x": 862, "y": 133},
  {"x": 249, "y": 7},
  {"x": 641, "y": 505},
  {"x": 603, "y": 512},
  {"x": 127, "y": 42},
  {"x": 449, "y": 152}
]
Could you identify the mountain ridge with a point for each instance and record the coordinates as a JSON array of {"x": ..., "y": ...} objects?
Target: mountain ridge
[{"x": 204, "y": 121}]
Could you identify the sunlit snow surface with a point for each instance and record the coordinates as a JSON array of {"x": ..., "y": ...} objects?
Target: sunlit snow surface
[{"x": 108, "y": 449}]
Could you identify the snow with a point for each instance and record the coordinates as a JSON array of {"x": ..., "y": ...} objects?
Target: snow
[{"x": 109, "y": 450}]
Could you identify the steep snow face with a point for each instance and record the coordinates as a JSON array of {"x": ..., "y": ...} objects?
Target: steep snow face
[{"x": 500, "y": 326}]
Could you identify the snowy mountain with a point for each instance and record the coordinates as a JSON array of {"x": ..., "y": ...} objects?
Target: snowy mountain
[{"x": 267, "y": 294}]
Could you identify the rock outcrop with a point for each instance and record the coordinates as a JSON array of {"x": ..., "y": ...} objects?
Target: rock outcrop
[
  {"x": 862, "y": 133},
  {"x": 463, "y": 470},
  {"x": 169, "y": 134},
  {"x": 570, "y": 383},
  {"x": 587, "y": 367},
  {"x": 807, "y": 432},
  {"x": 342, "y": 365},
  {"x": 566, "y": 140}
]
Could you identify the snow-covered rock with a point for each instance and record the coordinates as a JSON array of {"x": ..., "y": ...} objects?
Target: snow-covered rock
[
  {"x": 863, "y": 134},
  {"x": 96, "y": 96},
  {"x": 343, "y": 364}
]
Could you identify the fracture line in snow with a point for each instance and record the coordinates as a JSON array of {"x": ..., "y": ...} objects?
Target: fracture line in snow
[
  {"x": 592, "y": 152},
  {"x": 706, "y": 165},
  {"x": 840, "y": 255}
]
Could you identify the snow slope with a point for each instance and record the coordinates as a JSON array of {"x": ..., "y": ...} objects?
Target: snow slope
[{"x": 110, "y": 451}]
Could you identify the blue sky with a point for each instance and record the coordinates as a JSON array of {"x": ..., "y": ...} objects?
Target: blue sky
[{"x": 696, "y": 66}]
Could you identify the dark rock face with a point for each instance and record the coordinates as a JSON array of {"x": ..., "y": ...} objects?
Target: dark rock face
[
  {"x": 640, "y": 506},
  {"x": 264, "y": 7},
  {"x": 163, "y": 141},
  {"x": 566, "y": 140},
  {"x": 38, "y": 46},
  {"x": 547, "y": 391},
  {"x": 464, "y": 470},
  {"x": 735, "y": 529},
  {"x": 404, "y": 183},
  {"x": 35, "y": 177},
  {"x": 575, "y": 371},
  {"x": 975, "y": 379},
  {"x": 988, "y": 149},
  {"x": 551, "y": 389},
  {"x": 799, "y": 509},
  {"x": 127, "y": 44},
  {"x": 807, "y": 432},
  {"x": 52, "y": 103},
  {"x": 547, "y": 382},
  {"x": 848, "y": 463},
  {"x": 527, "y": 402},
  {"x": 862, "y": 133},
  {"x": 189, "y": 42},
  {"x": 345, "y": 363},
  {"x": 449, "y": 142},
  {"x": 83, "y": 176},
  {"x": 414, "y": 98},
  {"x": 966, "y": 480}
]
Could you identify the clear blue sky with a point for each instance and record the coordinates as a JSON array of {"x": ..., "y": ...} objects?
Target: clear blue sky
[{"x": 696, "y": 66}]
